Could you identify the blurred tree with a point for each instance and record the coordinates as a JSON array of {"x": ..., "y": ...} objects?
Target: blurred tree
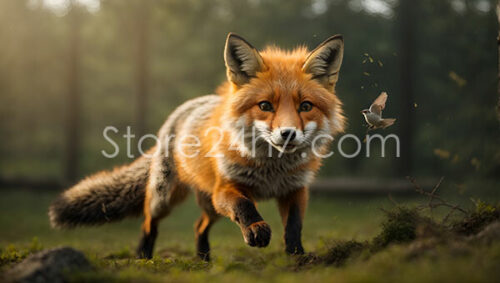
[
  {"x": 73, "y": 129},
  {"x": 498, "y": 42},
  {"x": 406, "y": 14},
  {"x": 142, "y": 65}
]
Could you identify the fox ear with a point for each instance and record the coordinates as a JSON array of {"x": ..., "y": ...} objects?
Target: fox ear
[
  {"x": 243, "y": 61},
  {"x": 324, "y": 62}
]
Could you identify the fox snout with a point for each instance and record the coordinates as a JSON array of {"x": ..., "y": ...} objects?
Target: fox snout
[
  {"x": 287, "y": 138},
  {"x": 288, "y": 134}
]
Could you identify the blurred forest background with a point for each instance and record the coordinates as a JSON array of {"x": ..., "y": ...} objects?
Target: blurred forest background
[{"x": 68, "y": 69}]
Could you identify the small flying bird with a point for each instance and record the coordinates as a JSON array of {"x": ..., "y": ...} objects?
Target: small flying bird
[{"x": 373, "y": 116}]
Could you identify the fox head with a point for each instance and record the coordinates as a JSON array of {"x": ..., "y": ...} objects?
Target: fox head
[{"x": 286, "y": 98}]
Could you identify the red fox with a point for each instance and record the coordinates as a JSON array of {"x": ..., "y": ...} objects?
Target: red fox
[{"x": 258, "y": 139}]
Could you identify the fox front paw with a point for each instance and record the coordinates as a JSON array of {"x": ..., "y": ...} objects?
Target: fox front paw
[{"x": 257, "y": 234}]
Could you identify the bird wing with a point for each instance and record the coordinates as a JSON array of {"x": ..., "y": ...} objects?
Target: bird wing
[{"x": 379, "y": 104}]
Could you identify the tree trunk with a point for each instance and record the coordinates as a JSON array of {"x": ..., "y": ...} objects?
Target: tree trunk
[
  {"x": 73, "y": 102},
  {"x": 406, "y": 34},
  {"x": 498, "y": 42},
  {"x": 142, "y": 68}
]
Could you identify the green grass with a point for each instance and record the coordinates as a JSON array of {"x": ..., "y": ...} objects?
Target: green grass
[{"x": 329, "y": 221}]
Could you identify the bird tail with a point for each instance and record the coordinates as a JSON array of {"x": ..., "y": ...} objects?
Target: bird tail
[
  {"x": 103, "y": 197},
  {"x": 387, "y": 122}
]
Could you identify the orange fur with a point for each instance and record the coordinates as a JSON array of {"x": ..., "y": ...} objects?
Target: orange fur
[
  {"x": 284, "y": 83},
  {"x": 225, "y": 175},
  {"x": 228, "y": 182}
]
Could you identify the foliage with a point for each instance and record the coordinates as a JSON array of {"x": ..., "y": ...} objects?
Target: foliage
[
  {"x": 11, "y": 254},
  {"x": 399, "y": 226},
  {"x": 476, "y": 220},
  {"x": 403, "y": 225}
]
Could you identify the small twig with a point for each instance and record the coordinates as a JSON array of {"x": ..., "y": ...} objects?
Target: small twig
[
  {"x": 434, "y": 199},
  {"x": 449, "y": 213},
  {"x": 433, "y": 192},
  {"x": 389, "y": 196}
]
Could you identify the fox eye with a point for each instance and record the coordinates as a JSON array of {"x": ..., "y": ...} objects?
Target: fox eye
[
  {"x": 266, "y": 106},
  {"x": 305, "y": 106}
]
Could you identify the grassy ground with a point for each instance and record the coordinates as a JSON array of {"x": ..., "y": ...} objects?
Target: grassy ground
[{"x": 25, "y": 228}]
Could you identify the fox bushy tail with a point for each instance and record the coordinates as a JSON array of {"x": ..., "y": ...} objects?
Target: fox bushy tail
[{"x": 104, "y": 197}]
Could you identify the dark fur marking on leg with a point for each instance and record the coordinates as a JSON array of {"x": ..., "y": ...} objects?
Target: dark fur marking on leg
[
  {"x": 146, "y": 245},
  {"x": 203, "y": 224},
  {"x": 246, "y": 213},
  {"x": 255, "y": 230},
  {"x": 293, "y": 232},
  {"x": 202, "y": 244}
]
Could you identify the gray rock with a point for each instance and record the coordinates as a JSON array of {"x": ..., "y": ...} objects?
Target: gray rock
[
  {"x": 489, "y": 234},
  {"x": 48, "y": 266}
]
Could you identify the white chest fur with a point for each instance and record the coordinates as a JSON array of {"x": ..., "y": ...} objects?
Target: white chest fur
[{"x": 272, "y": 177}]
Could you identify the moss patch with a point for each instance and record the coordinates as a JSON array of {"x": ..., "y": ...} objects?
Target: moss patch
[
  {"x": 476, "y": 220},
  {"x": 404, "y": 225}
]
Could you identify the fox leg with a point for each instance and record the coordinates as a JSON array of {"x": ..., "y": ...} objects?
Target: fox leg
[
  {"x": 202, "y": 226},
  {"x": 292, "y": 208},
  {"x": 156, "y": 207},
  {"x": 229, "y": 201},
  {"x": 148, "y": 238},
  {"x": 150, "y": 225},
  {"x": 160, "y": 184}
]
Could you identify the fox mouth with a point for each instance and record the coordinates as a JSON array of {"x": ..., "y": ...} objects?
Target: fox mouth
[{"x": 286, "y": 148}]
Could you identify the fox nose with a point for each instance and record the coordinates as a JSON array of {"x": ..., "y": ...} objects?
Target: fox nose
[{"x": 288, "y": 134}]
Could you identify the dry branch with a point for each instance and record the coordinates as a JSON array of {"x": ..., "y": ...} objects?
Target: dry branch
[{"x": 434, "y": 199}]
